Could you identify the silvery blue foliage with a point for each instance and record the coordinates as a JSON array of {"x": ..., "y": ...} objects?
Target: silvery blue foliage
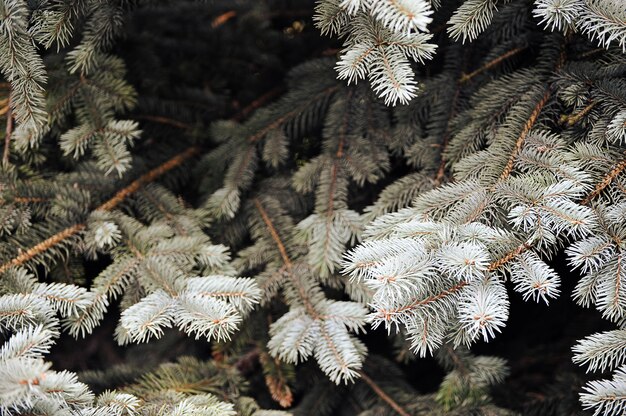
[{"x": 383, "y": 36}]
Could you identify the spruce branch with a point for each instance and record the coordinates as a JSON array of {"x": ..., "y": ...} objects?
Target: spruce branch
[
  {"x": 275, "y": 379},
  {"x": 441, "y": 170},
  {"x": 291, "y": 115},
  {"x": 601, "y": 351},
  {"x": 106, "y": 206},
  {"x": 393, "y": 313},
  {"x": 381, "y": 393},
  {"x": 320, "y": 326},
  {"x": 165, "y": 120},
  {"x": 285, "y": 258},
  {"x": 605, "y": 22},
  {"x": 257, "y": 103},
  {"x": 530, "y": 122},
  {"x": 122, "y": 194},
  {"x": 490, "y": 64},
  {"x": 149, "y": 177},
  {"x": 8, "y": 133},
  {"x": 572, "y": 119},
  {"x": 483, "y": 184},
  {"x": 471, "y": 19},
  {"x": 605, "y": 182},
  {"x": 275, "y": 236},
  {"x": 223, "y": 18},
  {"x": 42, "y": 247},
  {"x": 508, "y": 257}
]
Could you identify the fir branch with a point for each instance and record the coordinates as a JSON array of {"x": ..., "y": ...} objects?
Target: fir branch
[
  {"x": 606, "y": 181},
  {"x": 496, "y": 61},
  {"x": 530, "y": 122},
  {"x": 165, "y": 120},
  {"x": 388, "y": 314},
  {"x": 149, "y": 177},
  {"x": 223, "y": 18},
  {"x": 257, "y": 103},
  {"x": 384, "y": 396},
  {"x": 42, "y": 247},
  {"x": 292, "y": 114},
  {"x": 512, "y": 255},
  {"x": 106, "y": 206},
  {"x": 275, "y": 236},
  {"x": 8, "y": 133},
  {"x": 572, "y": 119}
]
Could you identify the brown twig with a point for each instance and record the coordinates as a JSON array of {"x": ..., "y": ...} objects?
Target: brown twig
[
  {"x": 247, "y": 361},
  {"x": 508, "y": 257},
  {"x": 148, "y": 177},
  {"x": 41, "y": 247},
  {"x": 384, "y": 396},
  {"x": 572, "y": 119},
  {"x": 276, "y": 381},
  {"x": 8, "y": 133},
  {"x": 223, "y": 18},
  {"x": 28, "y": 200},
  {"x": 441, "y": 170},
  {"x": 491, "y": 64},
  {"x": 274, "y": 233},
  {"x": 590, "y": 53},
  {"x": 107, "y": 206},
  {"x": 165, "y": 120},
  {"x": 271, "y": 94},
  {"x": 608, "y": 179},
  {"x": 115, "y": 200},
  {"x": 522, "y": 136}
]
